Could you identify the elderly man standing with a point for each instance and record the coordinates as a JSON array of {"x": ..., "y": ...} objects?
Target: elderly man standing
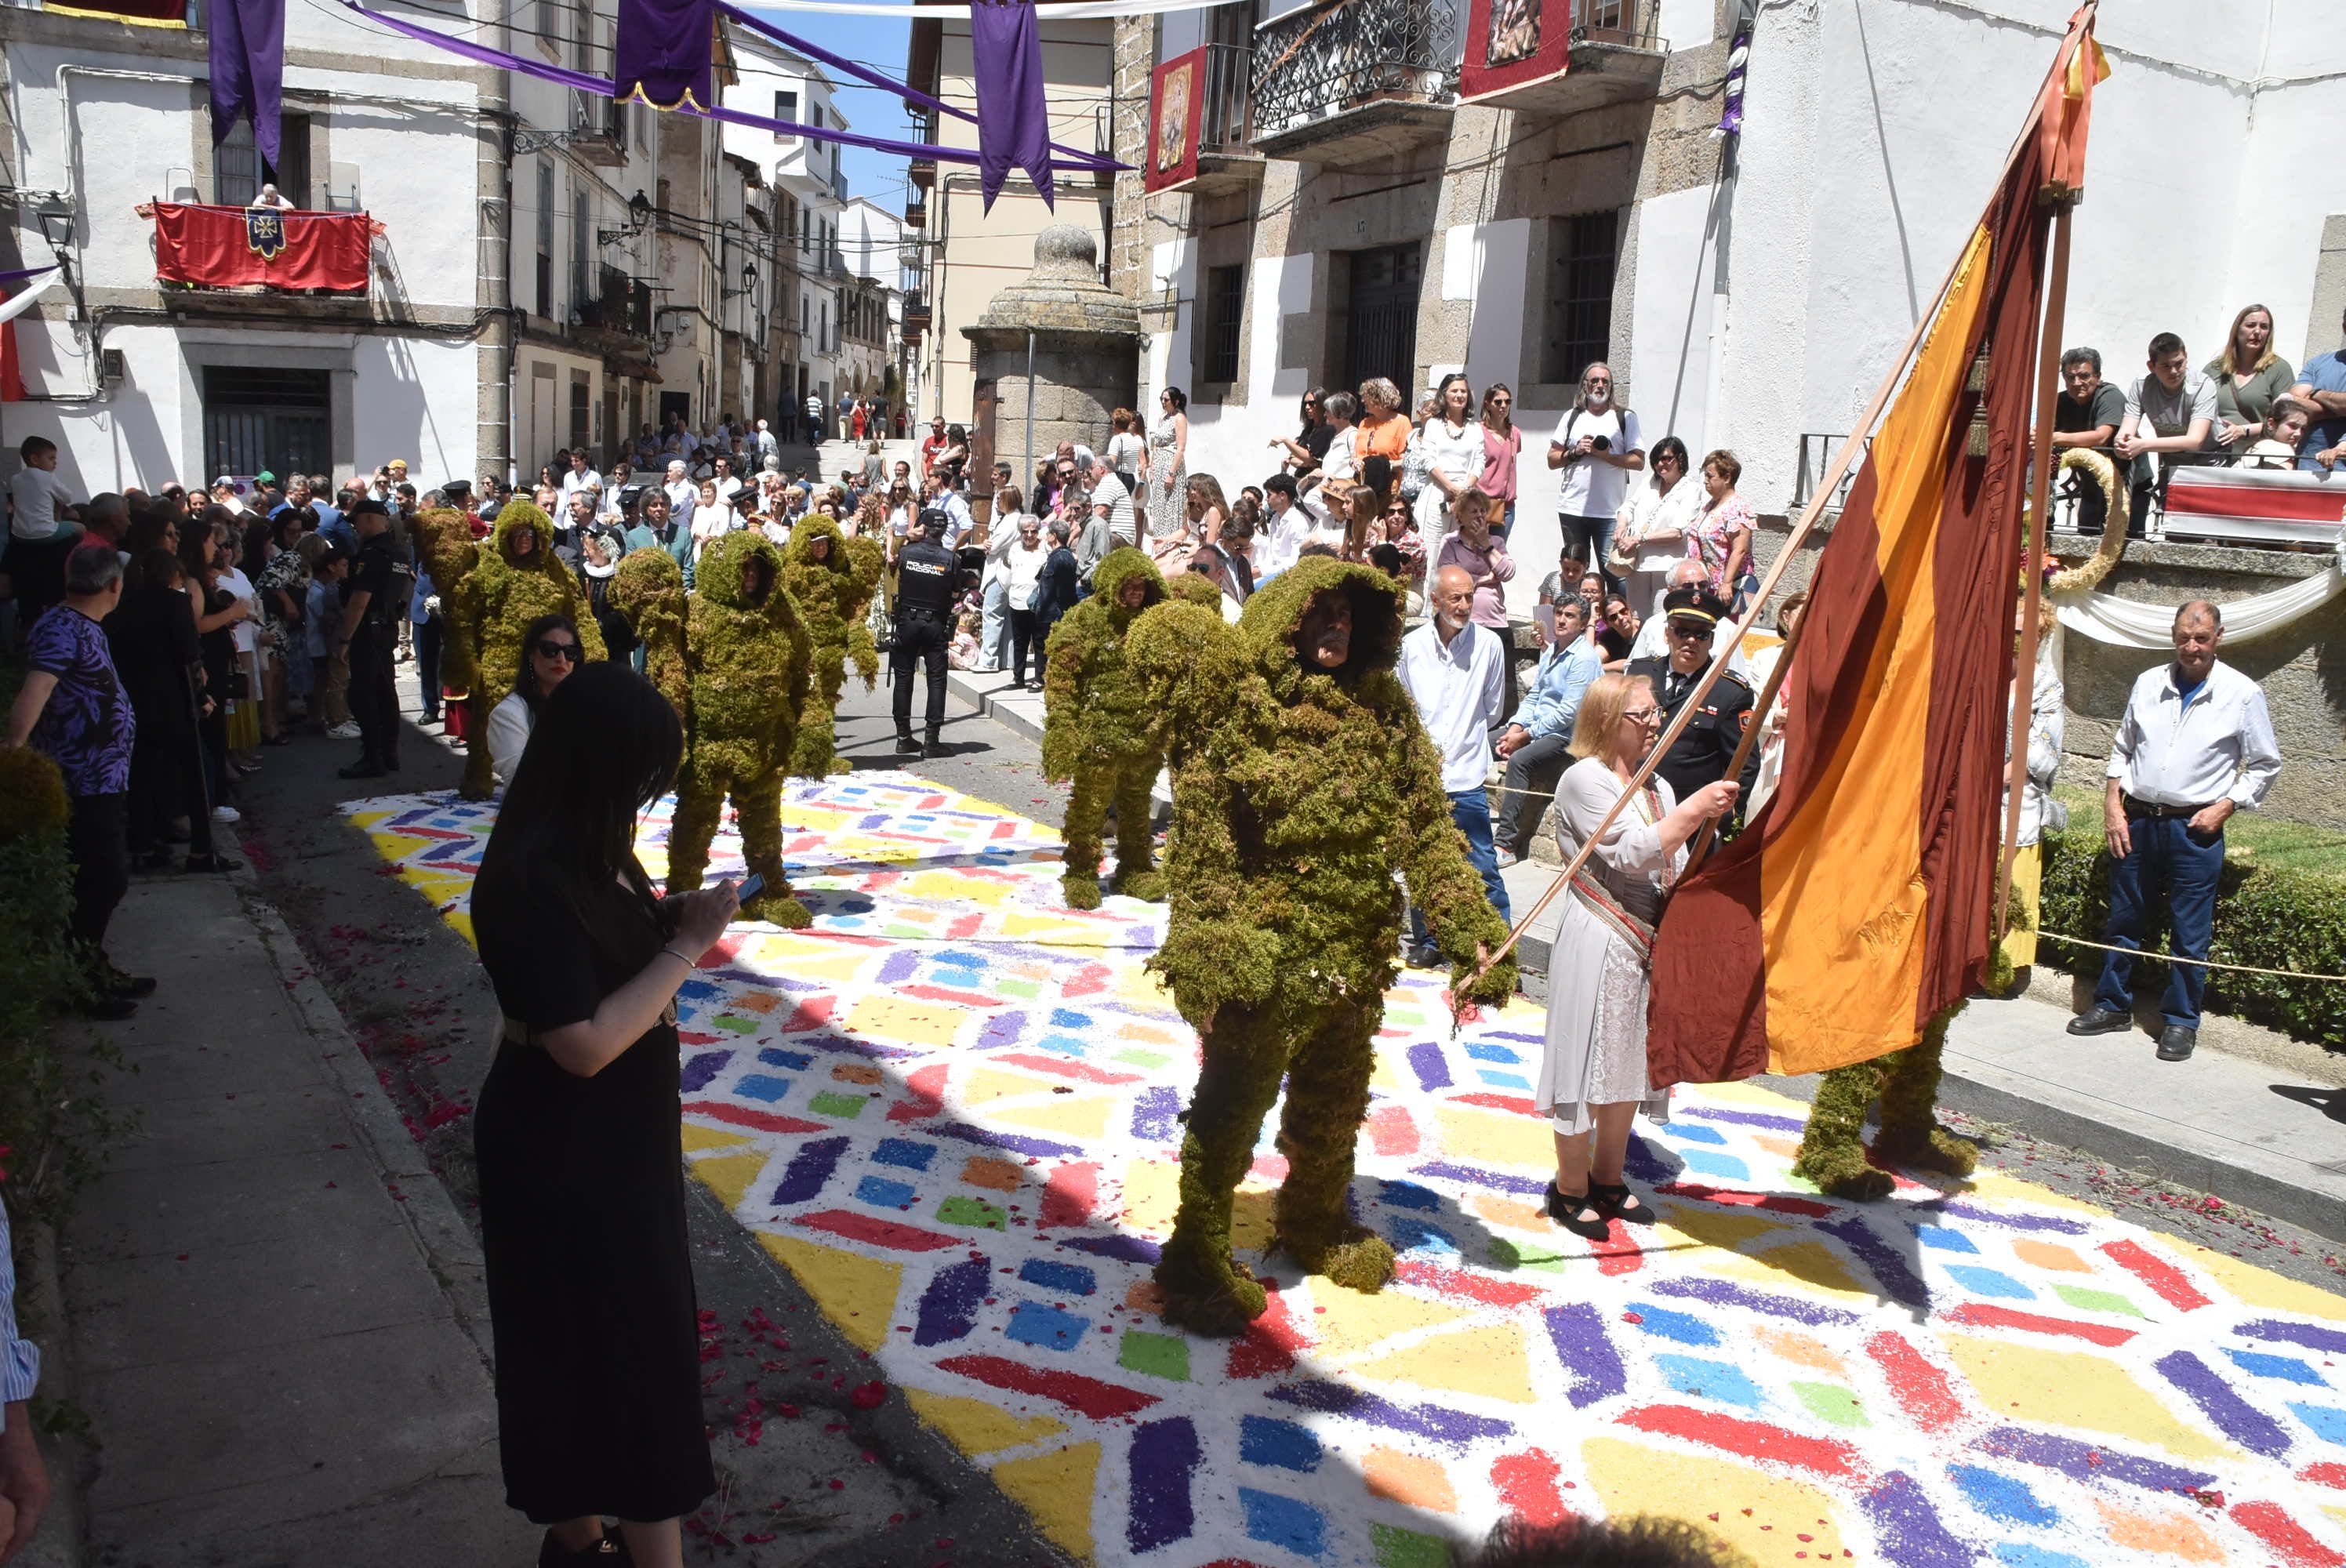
[
  {"x": 1455, "y": 673},
  {"x": 2195, "y": 746}
]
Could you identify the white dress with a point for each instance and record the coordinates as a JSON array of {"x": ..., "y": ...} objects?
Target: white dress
[
  {"x": 1456, "y": 452},
  {"x": 1597, "y": 986},
  {"x": 1168, "y": 510}
]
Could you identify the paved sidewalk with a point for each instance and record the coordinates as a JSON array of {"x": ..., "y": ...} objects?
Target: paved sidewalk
[{"x": 266, "y": 1329}]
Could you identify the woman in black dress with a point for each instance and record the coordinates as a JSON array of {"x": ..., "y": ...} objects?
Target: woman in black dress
[{"x": 579, "y": 1134}]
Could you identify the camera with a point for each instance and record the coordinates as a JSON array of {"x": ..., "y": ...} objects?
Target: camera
[{"x": 1601, "y": 443}]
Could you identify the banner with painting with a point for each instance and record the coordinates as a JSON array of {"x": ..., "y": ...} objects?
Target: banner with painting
[
  {"x": 1177, "y": 102},
  {"x": 1510, "y": 43}
]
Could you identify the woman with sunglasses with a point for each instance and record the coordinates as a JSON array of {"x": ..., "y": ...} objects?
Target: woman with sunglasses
[
  {"x": 1593, "y": 1078},
  {"x": 1502, "y": 446},
  {"x": 549, "y": 653},
  {"x": 1309, "y": 444},
  {"x": 1650, "y": 531}
]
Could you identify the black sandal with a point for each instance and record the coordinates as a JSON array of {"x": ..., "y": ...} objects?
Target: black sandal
[
  {"x": 1565, "y": 1212},
  {"x": 1613, "y": 1199},
  {"x": 608, "y": 1550}
]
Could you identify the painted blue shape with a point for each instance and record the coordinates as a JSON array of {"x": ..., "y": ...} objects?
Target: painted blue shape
[
  {"x": 2329, "y": 1424},
  {"x": 959, "y": 978},
  {"x": 881, "y": 1193},
  {"x": 1711, "y": 1380},
  {"x": 1943, "y": 1239},
  {"x": 1981, "y": 1281},
  {"x": 1068, "y": 1018},
  {"x": 2019, "y": 1554},
  {"x": 1281, "y": 1445},
  {"x": 1165, "y": 1458},
  {"x": 1046, "y": 1328},
  {"x": 1063, "y": 1046},
  {"x": 1692, "y": 1133},
  {"x": 697, "y": 1072},
  {"x": 2288, "y": 1369},
  {"x": 1426, "y": 1061},
  {"x": 1409, "y": 1195},
  {"x": 775, "y": 1057},
  {"x": 1156, "y": 1115},
  {"x": 1071, "y": 1277},
  {"x": 1711, "y": 1162},
  {"x": 950, "y": 1305},
  {"x": 2000, "y": 1496},
  {"x": 1283, "y": 1522},
  {"x": 762, "y": 1086},
  {"x": 698, "y": 990},
  {"x": 905, "y": 1154},
  {"x": 1682, "y": 1327},
  {"x": 809, "y": 1170},
  {"x": 1639, "y": 1162},
  {"x": 1484, "y": 1051},
  {"x": 1502, "y": 1080},
  {"x": 1413, "y": 1234}
]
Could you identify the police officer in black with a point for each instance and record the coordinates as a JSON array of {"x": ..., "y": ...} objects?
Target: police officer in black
[
  {"x": 1703, "y": 751},
  {"x": 372, "y": 603},
  {"x": 925, "y": 572}
]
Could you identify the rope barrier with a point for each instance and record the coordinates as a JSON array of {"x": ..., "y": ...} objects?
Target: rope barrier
[{"x": 2196, "y": 962}]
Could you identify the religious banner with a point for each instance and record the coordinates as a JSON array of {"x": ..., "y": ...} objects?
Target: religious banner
[
  {"x": 236, "y": 247},
  {"x": 1513, "y": 42},
  {"x": 664, "y": 49},
  {"x": 1014, "y": 122},
  {"x": 1177, "y": 106},
  {"x": 248, "y": 71}
]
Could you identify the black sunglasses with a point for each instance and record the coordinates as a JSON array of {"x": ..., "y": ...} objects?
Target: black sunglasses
[
  {"x": 1681, "y": 629},
  {"x": 548, "y": 648}
]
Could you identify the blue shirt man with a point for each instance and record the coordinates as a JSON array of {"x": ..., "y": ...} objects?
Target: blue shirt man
[
  {"x": 2322, "y": 383},
  {"x": 1538, "y": 739}
]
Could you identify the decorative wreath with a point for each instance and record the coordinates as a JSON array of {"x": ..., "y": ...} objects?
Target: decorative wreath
[{"x": 2099, "y": 469}]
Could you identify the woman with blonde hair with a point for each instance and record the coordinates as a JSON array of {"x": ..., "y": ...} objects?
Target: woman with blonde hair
[
  {"x": 1384, "y": 428},
  {"x": 2247, "y": 375},
  {"x": 1592, "y": 1076}
]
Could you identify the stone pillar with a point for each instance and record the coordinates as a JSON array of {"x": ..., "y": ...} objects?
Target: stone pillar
[{"x": 1085, "y": 339}]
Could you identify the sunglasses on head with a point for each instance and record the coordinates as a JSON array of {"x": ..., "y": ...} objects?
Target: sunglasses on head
[{"x": 548, "y": 648}]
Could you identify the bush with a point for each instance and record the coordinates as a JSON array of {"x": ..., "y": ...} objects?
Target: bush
[{"x": 2265, "y": 915}]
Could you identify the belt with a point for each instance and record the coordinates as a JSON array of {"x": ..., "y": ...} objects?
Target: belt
[{"x": 2137, "y": 807}]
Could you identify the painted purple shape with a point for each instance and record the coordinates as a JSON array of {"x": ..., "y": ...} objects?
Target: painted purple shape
[
  {"x": 1123, "y": 1248},
  {"x": 948, "y": 1310},
  {"x": 1515, "y": 1034},
  {"x": 1639, "y": 1162},
  {"x": 2241, "y": 1421},
  {"x": 2009, "y": 1221},
  {"x": 1724, "y": 1293},
  {"x": 1014, "y": 122},
  {"x": 1156, "y": 1116},
  {"x": 700, "y": 1069},
  {"x": 1898, "y": 1281},
  {"x": 1165, "y": 1460},
  {"x": 1908, "y": 1528},
  {"x": 2288, "y": 1333},
  {"x": 1002, "y": 1029},
  {"x": 1437, "y": 1424},
  {"x": 900, "y": 966},
  {"x": 2084, "y": 1462},
  {"x": 1448, "y": 1170},
  {"x": 1426, "y": 1061},
  {"x": 1041, "y": 1148},
  {"x": 809, "y": 1169},
  {"x": 1581, "y": 1343},
  {"x": 1741, "y": 1118}
]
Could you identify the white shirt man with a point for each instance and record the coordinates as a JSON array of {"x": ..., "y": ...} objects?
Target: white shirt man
[
  {"x": 767, "y": 447},
  {"x": 682, "y": 493},
  {"x": 582, "y": 476},
  {"x": 959, "y": 518},
  {"x": 1592, "y": 480},
  {"x": 728, "y": 486},
  {"x": 1289, "y": 523},
  {"x": 1112, "y": 499},
  {"x": 1455, "y": 672},
  {"x": 37, "y": 497}
]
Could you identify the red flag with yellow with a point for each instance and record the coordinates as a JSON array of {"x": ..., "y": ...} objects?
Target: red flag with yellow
[{"x": 1857, "y": 903}]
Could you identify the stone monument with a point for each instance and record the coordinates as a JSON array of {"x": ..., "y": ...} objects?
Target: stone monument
[{"x": 1059, "y": 351}]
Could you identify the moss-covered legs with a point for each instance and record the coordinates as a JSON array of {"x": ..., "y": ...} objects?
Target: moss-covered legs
[
  {"x": 1909, "y": 1133},
  {"x": 479, "y": 782},
  {"x": 697, "y": 808},
  {"x": 1126, "y": 786},
  {"x": 758, "y": 807},
  {"x": 813, "y": 753},
  {"x": 1327, "y": 1096},
  {"x": 1244, "y": 1056},
  {"x": 1137, "y": 875},
  {"x": 1831, "y": 1152},
  {"x": 1082, "y": 826}
]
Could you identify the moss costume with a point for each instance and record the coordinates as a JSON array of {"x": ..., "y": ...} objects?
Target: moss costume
[
  {"x": 501, "y": 593},
  {"x": 443, "y": 540},
  {"x": 1100, "y": 731},
  {"x": 1297, "y": 792},
  {"x": 733, "y": 659},
  {"x": 832, "y": 595}
]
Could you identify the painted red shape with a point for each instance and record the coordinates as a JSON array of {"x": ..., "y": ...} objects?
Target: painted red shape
[
  {"x": 965, "y": 927},
  {"x": 1922, "y": 1388},
  {"x": 814, "y": 1012},
  {"x": 1981, "y": 1314},
  {"x": 1068, "y": 1195},
  {"x": 1061, "y": 1067},
  {"x": 1391, "y": 1133},
  {"x": 2172, "y": 1284},
  {"x": 1084, "y": 1396},
  {"x": 1526, "y": 1483},
  {"x": 946, "y": 994},
  {"x": 1457, "y": 1282},
  {"x": 1807, "y": 1208},
  {"x": 2325, "y": 1475},
  {"x": 742, "y": 1116},
  {"x": 696, "y": 1037},
  {"x": 1515, "y": 1104},
  {"x": 1004, "y": 829},
  {"x": 927, "y": 1087},
  {"x": 1269, "y": 1345},
  {"x": 1620, "y": 1252},
  {"x": 1752, "y": 1439},
  {"x": 875, "y": 1232},
  {"x": 2286, "y": 1536},
  {"x": 1271, "y": 1168},
  {"x": 723, "y": 953}
]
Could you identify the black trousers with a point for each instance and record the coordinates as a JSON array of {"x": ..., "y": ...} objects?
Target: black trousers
[
  {"x": 97, "y": 842},
  {"x": 1024, "y": 638},
  {"x": 428, "y": 636},
  {"x": 922, "y": 637},
  {"x": 167, "y": 781},
  {"x": 374, "y": 699}
]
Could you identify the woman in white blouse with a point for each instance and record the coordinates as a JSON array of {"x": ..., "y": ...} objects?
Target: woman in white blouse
[
  {"x": 1650, "y": 528},
  {"x": 1452, "y": 445},
  {"x": 1341, "y": 465}
]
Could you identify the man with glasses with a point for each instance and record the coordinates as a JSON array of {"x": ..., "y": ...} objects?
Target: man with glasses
[
  {"x": 1691, "y": 618},
  {"x": 1597, "y": 447}
]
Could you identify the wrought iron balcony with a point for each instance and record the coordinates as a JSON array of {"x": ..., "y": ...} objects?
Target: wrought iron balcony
[
  {"x": 923, "y": 170},
  {"x": 623, "y": 305},
  {"x": 1348, "y": 82},
  {"x": 916, "y": 210},
  {"x": 1226, "y": 159}
]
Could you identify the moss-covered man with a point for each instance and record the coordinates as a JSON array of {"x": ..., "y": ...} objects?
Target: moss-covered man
[
  {"x": 1302, "y": 781},
  {"x": 1101, "y": 733},
  {"x": 831, "y": 578},
  {"x": 509, "y": 584}
]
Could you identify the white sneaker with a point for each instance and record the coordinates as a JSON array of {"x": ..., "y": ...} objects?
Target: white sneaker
[
  {"x": 227, "y": 814},
  {"x": 348, "y": 729}
]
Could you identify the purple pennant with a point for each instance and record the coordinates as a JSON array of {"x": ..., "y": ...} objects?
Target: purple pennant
[
  {"x": 247, "y": 70},
  {"x": 1013, "y": 124},
  {"x": 663, "y": 49}
]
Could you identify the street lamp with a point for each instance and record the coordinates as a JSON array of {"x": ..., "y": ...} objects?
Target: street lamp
[
  {"x": 56, "y": 218},
  {"x": 639, "y": 215}
]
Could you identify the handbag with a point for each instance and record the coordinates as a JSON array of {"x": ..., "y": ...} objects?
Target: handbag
[{"x": 1621, "y": 558}]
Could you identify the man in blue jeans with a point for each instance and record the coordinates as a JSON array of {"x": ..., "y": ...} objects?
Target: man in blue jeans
[
  {"x": 2195, "y": 746},
  {"x": 1455, "y": 673}
]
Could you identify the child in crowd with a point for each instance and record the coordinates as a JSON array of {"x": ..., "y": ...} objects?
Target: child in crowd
[
  {"x": 329, "y": 706},
  {"x": 962, "y": 654}
]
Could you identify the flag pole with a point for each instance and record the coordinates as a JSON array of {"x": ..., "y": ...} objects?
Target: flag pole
[
  {"x": 1759, "y": 709},
  {"x": 2038, "y": 525}
]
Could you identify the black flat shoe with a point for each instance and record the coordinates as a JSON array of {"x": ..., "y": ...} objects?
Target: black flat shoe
[
  {"x": 1617, "y": 1201},
  {"x": 211, "y": 862},
  {"x": 605, "y": 1551},
  {"x": 1564, "y": 1211},
  {"x": 2101, "y": 1020}
]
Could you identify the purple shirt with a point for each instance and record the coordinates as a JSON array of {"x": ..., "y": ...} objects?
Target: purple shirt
[{"x": 87, "y": 725}]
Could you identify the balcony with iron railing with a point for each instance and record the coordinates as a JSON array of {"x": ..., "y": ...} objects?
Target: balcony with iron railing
[
  {"x": 916, "y": 209},
  {"x": 923, "y": 172},
  {"x": 1613, "y": 55},
  {"x": 1227, "y": 159},
  {"x": 622, "y": 306},
  {"x": 1346, "y": 83}
]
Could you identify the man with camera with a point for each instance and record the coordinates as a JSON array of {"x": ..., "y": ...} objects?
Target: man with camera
[{"x": 1597, "y": 447}]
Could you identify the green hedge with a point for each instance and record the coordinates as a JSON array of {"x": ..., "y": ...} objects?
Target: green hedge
[{"x": 2266, "y": 916}]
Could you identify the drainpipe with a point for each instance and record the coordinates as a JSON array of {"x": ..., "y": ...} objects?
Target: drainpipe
[{"x": 493, "y": 282}]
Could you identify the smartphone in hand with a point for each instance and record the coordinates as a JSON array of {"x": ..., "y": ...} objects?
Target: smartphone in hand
[{"x": 751, "y": 887}]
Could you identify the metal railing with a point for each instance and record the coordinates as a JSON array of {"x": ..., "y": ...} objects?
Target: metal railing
[
  {"x": 1817, "y": 452},
  {"x": 623, "y": 304},
  {"x": 1627, "y": 23},
  {"x": 1227, "y": 123},
  {"x": 1340, "y": 55}
]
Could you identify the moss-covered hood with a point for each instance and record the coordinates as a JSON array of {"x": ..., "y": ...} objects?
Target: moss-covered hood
[
  {"x": 806, "y": 531},
  {"x": 1274, "y": 612},
  {"x": 513, "y": 517},
  {"x": 719, "y": 576},
  {"x": 1117, "y": 567}
]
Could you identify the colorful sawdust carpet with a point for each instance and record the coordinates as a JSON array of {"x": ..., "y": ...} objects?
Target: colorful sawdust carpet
[{"x": 952, "y": 1109}]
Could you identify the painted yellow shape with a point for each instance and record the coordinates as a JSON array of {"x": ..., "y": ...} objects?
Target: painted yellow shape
[
  {"x": 364, "y": 819},
  {"x": 1994, "y": 1186},
  {"x": 897, "y": 1018},
  {"x": 698, "y": 1139},
  {"x": 1057, "y": 1489},
  {"x": 1385, "y": 1075},
  {"x": 804, "y": 960},
  {"x": 1490, "y": 1362},
  {"x": 399, "y": 846},
  {"x": 729, "y": 1175},
  {"x": 858, "y": 1294},
  {"x": 1750, "y": 1096},
  {"x": 953, "y": 888},
  {"x": 1354, "y": 1324},
  {"x": 1250, "y": 1217},
  {"x": 1077, "y": 934},
  {"x": 1801, "y": 1263},
  {"x": 2336, "y": 1513},
  {"x": 2051, "y": 1254},
  {"x": 1725, "y": 1228},
  {"x": 1152, "y": 1191},
  {"x": 2071, "y": 1389},
  {"x": 461, "y": 922},
  {"x": 977, "y": 1428},
  {"x": 2170, "y": 1535},
  {"x": 1411, "y": 1480},
  {"x": 987, "y": 1084},
  {"x": 1800, "y": 1349},
  {"x": 1495, "y": 1137},
  {"x": 2253, "y": 1287},
  {"x": 1062, "y": 1114},
  {"x": 1633, "y": 1479}
]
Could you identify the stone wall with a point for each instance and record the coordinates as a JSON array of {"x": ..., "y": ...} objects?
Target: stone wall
[{"x": 1077, "y": 387}]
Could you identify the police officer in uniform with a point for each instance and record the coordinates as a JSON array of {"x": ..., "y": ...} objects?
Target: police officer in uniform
[
  {"x": 374, "y": 599},
  {"x": 925, "y": 603},
  {"x": 1703, "y": 751}
]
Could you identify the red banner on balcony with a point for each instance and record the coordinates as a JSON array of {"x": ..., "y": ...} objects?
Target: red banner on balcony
[
  {"x": 235, "y": 246},
  {"x": 1512, "y": 42},
  {"x": 1177, "y": 107}
]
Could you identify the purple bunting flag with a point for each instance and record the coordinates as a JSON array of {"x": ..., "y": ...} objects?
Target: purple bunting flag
[
  {"x": 664, "y": 49},
  {"x": 1013, "y": 124},
  {"x": 247, "y": 69}
]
